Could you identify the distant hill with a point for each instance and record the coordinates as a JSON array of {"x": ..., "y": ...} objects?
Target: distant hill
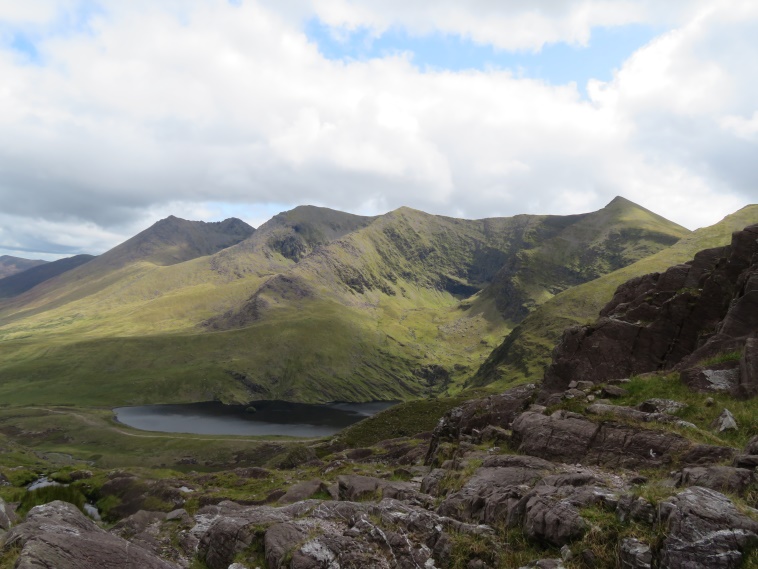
[
  {"x": 525, "y": 352},
  {"x": 28, "y": 279},
  {"x": 14, "y": 265},
  {"x": 174, "y": 240},
  {"x": 315, "y": 305}
]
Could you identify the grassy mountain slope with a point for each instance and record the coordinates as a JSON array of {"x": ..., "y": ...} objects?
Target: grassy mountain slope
[
  {"x": 526, "y": 351},
  {"x": 315, "y": 305},
  {"x": 13, "y": 265},
  {"x": 28, "y": 279},
  {"x": 589, "y": 246}
]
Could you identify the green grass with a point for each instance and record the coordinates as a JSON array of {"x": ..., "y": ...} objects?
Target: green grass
[
  {"x": 49, "y": 494},
  {"x": 403, "y": 420},
  {"x": 91, "y": 438},
  {"x": 721, "y": 359}
]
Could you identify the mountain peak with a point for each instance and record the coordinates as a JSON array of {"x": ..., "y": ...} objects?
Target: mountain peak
[{"x": 175, "y": 240}]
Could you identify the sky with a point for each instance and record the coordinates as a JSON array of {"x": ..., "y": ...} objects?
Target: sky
[{"x": 116, "y": 114}]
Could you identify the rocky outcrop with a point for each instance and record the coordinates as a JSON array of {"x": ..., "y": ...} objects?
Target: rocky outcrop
[
  {"x": 316, "y": 534},
  {"x": 474, "y": 416},
  {"x": 58, "y": 535},
  {"x": 704, "y": 529},
  {"x": 570, "y": 437},
  {"x": 700, "y": 318}
]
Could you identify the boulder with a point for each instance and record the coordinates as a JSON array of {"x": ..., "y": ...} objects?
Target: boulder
[
  {"x": 303, "y": 491},
  {"x": 554, "y": 521},
  {"x": 635, "y": 554},
  {"x": 720, "y": 478},
  {"x": 668, "y": 406},
  {"x": 705, "y": 529},
  {"x": 59, "y": 535},
  {"x": 570, "y": 437},
  {"x": 491, "y": 494},
  {"x": 355, "y": 488},
  {"x": 497, "y": 410},
  {"x": 613, "y": 391},
  {"x": 725, "y": 422}
]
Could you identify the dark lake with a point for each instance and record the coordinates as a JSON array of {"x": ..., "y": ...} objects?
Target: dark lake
[{"x": 257, "y": 419}]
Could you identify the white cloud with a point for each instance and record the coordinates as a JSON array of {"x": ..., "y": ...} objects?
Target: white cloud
[
  {"x": 505, "y": 24},
  {"x": 170, "y": 107}
]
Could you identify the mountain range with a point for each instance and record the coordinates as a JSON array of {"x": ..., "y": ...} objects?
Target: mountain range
[{"x": 319, "y": 305}]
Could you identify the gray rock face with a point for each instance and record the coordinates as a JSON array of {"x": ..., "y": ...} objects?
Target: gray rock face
[
  {"x": 668, "y": 406},
  {"x": 719, "y": 478},
  {"x": 491, "y": 495},
  {"x": 556, "y": 521},
  {"x": 572, "y": 438},
  {"x": 634, "y": 554},
  {"x": 704, "y": 529},
  {"x": 58, "y": 535},
  {"x": 496, "y": 410},
  {"x": 303, "y": 491},
  {"x": 725, "y": 422},
  {"x": 314, "y": 534}
]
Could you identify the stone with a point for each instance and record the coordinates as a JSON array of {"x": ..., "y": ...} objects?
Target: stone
[
  {"x": 355, "y": 488},
  {"x": 585, "y": 385},
  {"x": 720, "y": 478},
  {"x": 658, "y": 322},
  {"x": 303, "y": 491},
  {"x": 752, "y": 446},
  {"x": 635, "y": 554},
  {"x": 574, "y": 394},
  {"x": 704, "y": 529},
  {"x": 493, "y": 434},
  {"x": 556, "y": 521},
  {"x": 635, "y": 508},
  {"x": 545, "y": 564},
  {"x": 570, "y": 437},
  {"x": 749, "y": 461},
  {"x": 490, "y": 495},
  {"x": 59, "y": 535},
  {"x": 668, "y": 406},
  {"x": 725, "y": 422},
  {"x": 613, "y": 391},
  {"x": 497, "y": 410}
]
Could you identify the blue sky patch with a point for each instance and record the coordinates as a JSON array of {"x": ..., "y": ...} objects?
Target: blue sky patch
[{"x": 556, "y": 64}]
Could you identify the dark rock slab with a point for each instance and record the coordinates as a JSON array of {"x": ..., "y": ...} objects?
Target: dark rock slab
[{"x": 570, "y": 437}]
